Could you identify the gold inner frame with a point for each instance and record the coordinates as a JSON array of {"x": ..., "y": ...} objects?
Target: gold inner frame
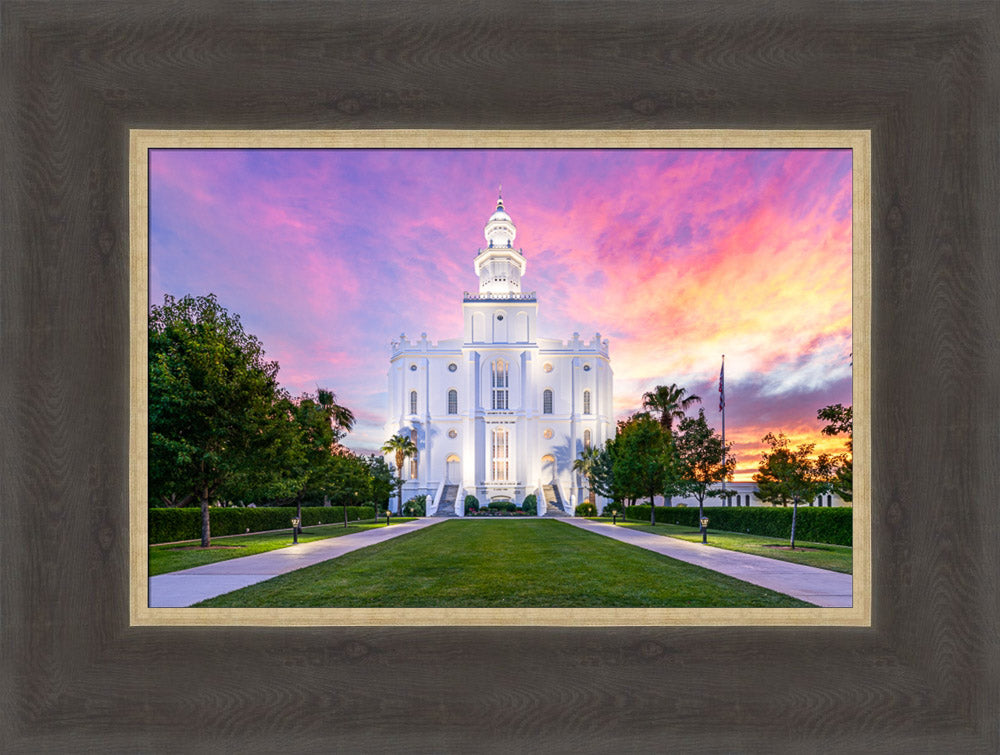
[{"x": 142, "y": 140}]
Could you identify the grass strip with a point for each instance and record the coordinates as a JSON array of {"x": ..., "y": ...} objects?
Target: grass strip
[
  {"x": 176, "y": 556},
  {"x": 500, "y": 563},
  {"x": 839, "y": 558}
]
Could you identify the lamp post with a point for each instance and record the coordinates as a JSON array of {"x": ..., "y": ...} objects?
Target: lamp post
[
  {"x": 704, "y": 530},
  {"x": 295, "y": 530}
]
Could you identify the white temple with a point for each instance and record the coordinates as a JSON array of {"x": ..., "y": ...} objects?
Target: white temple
[{"x": 499, "y": 413}]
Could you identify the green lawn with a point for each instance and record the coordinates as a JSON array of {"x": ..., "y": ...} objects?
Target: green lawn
[
  {"x": 503, "y": 563},
  {"x": 833, "y": 557},
  {"x": 176, "y": 556}
]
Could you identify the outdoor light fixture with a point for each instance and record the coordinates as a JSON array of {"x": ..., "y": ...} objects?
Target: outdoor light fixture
[
  {"x": 295, "y": 530},
  {"x": 704, "y": 529}
]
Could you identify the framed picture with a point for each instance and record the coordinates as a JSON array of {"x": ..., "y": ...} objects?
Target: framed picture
[
  {"x": 77, "y": 79},
  {"x": 357, "y": 235}
]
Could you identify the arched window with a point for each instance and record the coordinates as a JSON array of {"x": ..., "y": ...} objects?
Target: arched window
[
  {"x": 452, "y": 401},
  {"x": 586, "y": 402},
  {"x": 500, "y": 384},
  {"x": 547, "y": 401},
  {"x": 586, "y": 438},
  {"x": 501, "y": 455},
  {"x": 413, "y": 436},
  {"x": 413, "y": 402}
]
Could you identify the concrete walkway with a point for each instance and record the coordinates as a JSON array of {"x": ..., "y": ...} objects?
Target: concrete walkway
[
  {"x": 821, "y": 587},
  {"x": 189, "y": 586}
]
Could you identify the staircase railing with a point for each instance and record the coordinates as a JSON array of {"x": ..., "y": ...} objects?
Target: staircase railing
[{"x": 433, "y": 508}]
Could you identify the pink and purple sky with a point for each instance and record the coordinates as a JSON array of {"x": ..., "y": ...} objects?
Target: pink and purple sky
[{"x": 676, "y": 256}]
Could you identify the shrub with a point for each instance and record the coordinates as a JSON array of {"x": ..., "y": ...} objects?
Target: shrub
[
  {"x": 416, "y": 506},
  {"x": 530, "y": 504},
  {"x": 497, "y": 505},
  {"x": 813, "y": 524},
  {"x": 586, "y": 509},
  {"x": 471, "y": 503},
  {"x": 169, "y": 525}
]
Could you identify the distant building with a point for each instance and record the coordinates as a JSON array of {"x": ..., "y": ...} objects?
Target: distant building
[
  {"x": 499, "y": 413},
  {"x": 745, "y": 495}
]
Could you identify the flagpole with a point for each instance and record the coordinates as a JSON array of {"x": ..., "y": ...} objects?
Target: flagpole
[{"x": 722, "y": 406}]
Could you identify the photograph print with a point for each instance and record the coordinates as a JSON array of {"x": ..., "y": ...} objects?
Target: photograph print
[{"x": 501, "y": 378}]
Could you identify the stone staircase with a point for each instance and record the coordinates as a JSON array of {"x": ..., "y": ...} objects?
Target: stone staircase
[
  {"x": 553, "y": 501},
  {"x": 447, "y": 505}
]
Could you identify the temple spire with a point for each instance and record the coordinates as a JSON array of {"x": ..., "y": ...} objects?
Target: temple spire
[{"x": 499, "y": 266}]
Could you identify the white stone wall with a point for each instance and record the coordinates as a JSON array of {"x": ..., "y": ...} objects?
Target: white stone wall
[{"x": 568, "y": 369}]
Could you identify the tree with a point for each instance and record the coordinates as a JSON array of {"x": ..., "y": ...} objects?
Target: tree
[
  {"x": 602, "y": 472},
  {"x": 215, "y": 406},
  {"x": 645, "y": 459},
  {"x": 670, "y": 403},
  {"x": 790, "y": 476},
  {"x": 840, "y": 419},
  {"x": 703, "y": 460},
  {"x": 321, "y": 422},
  {"x": 403, "y": 448},
  {"x": 341, "y": 418},
  {"x": 381, "y": 480},
  {"x": 585, "y": 467}
]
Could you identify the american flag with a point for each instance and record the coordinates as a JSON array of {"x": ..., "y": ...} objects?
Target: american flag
[{"x": 722, "y": 385}]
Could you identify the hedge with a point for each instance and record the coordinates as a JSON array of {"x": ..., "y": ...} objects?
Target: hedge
[
  {"x": 170, "y": 525},
  {"x": 815, "y": 525}
]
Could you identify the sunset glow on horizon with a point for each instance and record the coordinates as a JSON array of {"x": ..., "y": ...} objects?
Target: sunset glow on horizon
[{"x": 676, "y": 256}]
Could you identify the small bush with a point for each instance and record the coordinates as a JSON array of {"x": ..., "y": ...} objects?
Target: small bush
[
  {"x": 471, "y": 503},
  {"x": 530, "y": 505},
  {"x": 416, "y": 506},
  {"x": 587, "y": 509}
]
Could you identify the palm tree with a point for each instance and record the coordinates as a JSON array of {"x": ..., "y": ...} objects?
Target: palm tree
[
  {"x": 585, "y": 466},
  {"x": 670, "y": 402},
  {"x": 341, "y": 417},
  {"x": 403, "y": 447}
]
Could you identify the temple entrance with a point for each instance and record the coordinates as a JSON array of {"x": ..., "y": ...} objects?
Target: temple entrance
[
  {"x": 453, "y": 469},
  {"x": 548, "y": 469}
]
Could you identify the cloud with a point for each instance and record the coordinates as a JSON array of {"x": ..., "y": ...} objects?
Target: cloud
[{"x": 676, "y": 256}]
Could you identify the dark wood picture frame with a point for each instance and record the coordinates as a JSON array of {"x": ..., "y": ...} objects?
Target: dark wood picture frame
[{"x": 923, "y": 77}]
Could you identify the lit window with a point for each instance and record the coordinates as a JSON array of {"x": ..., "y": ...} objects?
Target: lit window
[
  {"x": 586, "y": 438},
  {"x": 413, "y": 402},
  {"x": 547, "y": 401},
  {"x": 413, "y": 459},
  {"x": 501, "y": 455},
  {"x": 586, "y": 402},
  {"x": 500, "y": 384},
  {"x": 452, "y": 401}
]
